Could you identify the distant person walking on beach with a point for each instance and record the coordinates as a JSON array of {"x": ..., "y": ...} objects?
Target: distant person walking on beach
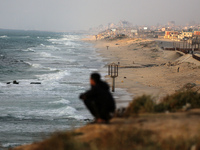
[{"x": 99, "y": 100}]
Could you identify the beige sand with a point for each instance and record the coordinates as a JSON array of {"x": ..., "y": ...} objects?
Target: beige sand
[{"x": 159, "y": 80}]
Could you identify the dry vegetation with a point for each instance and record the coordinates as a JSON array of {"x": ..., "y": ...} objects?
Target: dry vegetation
[{"x": 179, "y": 101}]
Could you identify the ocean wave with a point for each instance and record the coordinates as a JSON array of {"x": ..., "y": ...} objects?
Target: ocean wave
[
  {"x": 45, "y": 54},
  {"x": 67, "y": 113},
  {"x": 48, "y": 55},
  {"x": 48, "y": 114},
  {"x": 41, "y": 67},
  {"x": 78, "y": 117},
  {"x": 24, "y": 37},
  {"x": 51, "y": 47},
  {"x": 28, "y": 50},
  {"x": 65, "y": 40},
  {"x": 35, "y": 103},
  {"x": 7, "y": 145},
  {"x": 53, "y": 76},
  {"x": 9, "y": 117},
  {"x": 92, "y": 69},
  {"x": 71, "y": 37},
  {"x": 2, "y": 84},
  {"x": 3, "y": 36},
  {"x": 61, "y": 101},
  {"x": 34, "y": 65}
]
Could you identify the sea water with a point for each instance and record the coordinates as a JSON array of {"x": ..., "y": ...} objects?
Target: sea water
[{"x": 62, "y": 63}]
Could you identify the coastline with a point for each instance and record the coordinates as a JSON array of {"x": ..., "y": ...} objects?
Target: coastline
[
  {"x": 153, "y": 72},
  {"x": 144, "y": 68}
]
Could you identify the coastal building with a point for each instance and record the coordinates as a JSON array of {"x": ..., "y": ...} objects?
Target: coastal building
[
  {"x": 163, "y": 29},
  {"x": 134, "y": 32},
  {"x": 171, "y": 34},
  {"x": 113, "y": 30},
  {"x": 185, "y": 34},
  {"x": 196, "y": 33}
]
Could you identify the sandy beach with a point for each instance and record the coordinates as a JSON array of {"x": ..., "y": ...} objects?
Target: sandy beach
[{"x": 145, "y": 68}]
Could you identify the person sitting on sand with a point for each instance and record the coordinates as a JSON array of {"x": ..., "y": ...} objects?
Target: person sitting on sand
[{"x": 99, "y": 100}]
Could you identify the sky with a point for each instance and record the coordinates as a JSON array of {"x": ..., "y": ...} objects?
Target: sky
[{"x": 66, "y": 15}]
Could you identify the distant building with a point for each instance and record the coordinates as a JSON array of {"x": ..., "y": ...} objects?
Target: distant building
[
  {"x": 197, "y": 33},
  {"x": 185, "y": 34},
  {"x": 113, "y": 30},
  {"x": 134, "y": 32},
  {"x": 171, "y": 34},
  {"x": 163, "y": 29}
]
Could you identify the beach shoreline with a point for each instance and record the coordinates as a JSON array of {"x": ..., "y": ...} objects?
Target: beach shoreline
[
  {"x": 145, "y": 68},
  {"x": 148, "y": 70}
]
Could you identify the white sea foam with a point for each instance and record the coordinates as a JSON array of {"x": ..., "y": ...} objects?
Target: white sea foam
[
  {"x": 51, "y": 69},
  {"x": 71, "y": 37},
  {"x": 61, "y": 101},
  {"x": 93, "y": 69},
  {"x": 10, "y": 144},
  {"x": 68, "y": 43},
  {"x": 53, "y": 76},
  {"x": 41, "y": 67},
  {"x": 25, "y": 37},
  {"x": 52, "y": 47},
  {"x": 65, "y": 111},
  {"x": 48, "y": 55},
  {"x": 67, "y": 40},
  {"x": 34, "y": 65},
  {"x": 37, "y": 66},
  {"x": 44, "y": 54},
  {"x": 68, "y": 112},
  {"x": 78, "y": 117},
  {"x": 2, "y": 84},
  {"x": 28, "y": 50},
  {"x": 4, "y": 36}
]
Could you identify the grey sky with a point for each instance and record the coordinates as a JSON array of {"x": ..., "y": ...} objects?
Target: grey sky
[{"x": 63, "y": 15}]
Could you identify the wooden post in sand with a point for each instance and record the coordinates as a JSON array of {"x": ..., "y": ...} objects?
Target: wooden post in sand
[
  {"x": 113, "y": 73},
  {"x": 96, "y": 37}
]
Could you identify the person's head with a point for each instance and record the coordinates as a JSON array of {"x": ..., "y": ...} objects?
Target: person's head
[{"x": 95, "y": 78}]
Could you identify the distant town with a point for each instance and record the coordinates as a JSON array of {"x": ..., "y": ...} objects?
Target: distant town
[{"x": 189, "y": 32}]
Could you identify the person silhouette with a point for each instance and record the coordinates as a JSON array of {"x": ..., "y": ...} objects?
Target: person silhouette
[{"x": 99, "y": 99}]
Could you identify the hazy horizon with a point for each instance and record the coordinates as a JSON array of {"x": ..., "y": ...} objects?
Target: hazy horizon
[{"x": 66, "y": 15}]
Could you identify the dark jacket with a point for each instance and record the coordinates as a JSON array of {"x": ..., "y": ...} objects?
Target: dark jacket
[{"x": 100, "y": 94}]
